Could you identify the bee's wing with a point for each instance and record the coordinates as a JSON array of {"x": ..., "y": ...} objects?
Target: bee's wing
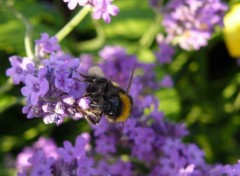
[
  {"x": 96, "y": 71},
  {"x": 92, "y": 118}
]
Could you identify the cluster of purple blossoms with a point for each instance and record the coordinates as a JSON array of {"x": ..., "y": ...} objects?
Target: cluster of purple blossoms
[
  {"x": 227, "y": 169},
  {"x": 44, "y": 158},
  {"x": 101, "y": 8},
  {"x": 146, "y": 146},
  {"x": 191, "y": 23},
  {"x": 149, "y": 144},
  {"x": 52, "y": 87}
]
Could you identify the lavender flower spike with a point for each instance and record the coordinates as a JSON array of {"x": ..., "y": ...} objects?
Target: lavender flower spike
[{"x": 190, "y": 24}]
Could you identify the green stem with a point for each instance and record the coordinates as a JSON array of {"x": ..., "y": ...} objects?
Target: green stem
[
  {"x": 73, "y": 23},
  {"x": 150, "y": 35},
  {"x": 6, "y": 87},
  {"x": 95, "y": 43},
  {"x": 28, "y": 33},
  {"x": 236, "y": 103}
]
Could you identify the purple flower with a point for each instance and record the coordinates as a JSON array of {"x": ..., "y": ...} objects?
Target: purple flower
[
  {"x": 166, "y": 81},
  {"x": 191, "y": 23},
  {"x": 227, "y": 169},
  {"x": 194, "y": 155},
  {"x": 47, "y": 146},
  {"x": 63, "y": 78},
  {"x": 155, "y": 3},
  {"x": 35, "y": 87},
  {"x": 187, "y": 171},
  {"x": 48, "y": 81},
  {"x": 86, "y": 166},
  {"x": 53, "y": 62},
  {"x": 22, "y": 158},
  {"x": 18, "y": 70},
  {"x": 103, "y": 9},
  {"x": 63, "y": 82},
  {"x": 52, "y": 118},
  {"x": 32, "y": 111},
  {"x": 116, "y": 64},
  {"x": 105, "y": 145},
  {"x": 73, "y": 3},
  {"x": 69, "y": 152},
  {"x": 47, "y": 44},
  {"x": 143, "y": 145},
  {"x": 86, "y": 61},
  {"x": 121, "y": 168},
  {"x": 148, "y": 78},
  {"x": 84, "y": 103},
  {"x": 41, "y": 165},
  {"x": 129, "y": 127},
  {"x": 38, "y": 164},
  {"x": 165, "y": 52},
  {"x": 101, "y": 128},
  {"x": 103, "y": 167},
  {"x": 59, "y": 73},
  {"x": 77, "y": 89}
]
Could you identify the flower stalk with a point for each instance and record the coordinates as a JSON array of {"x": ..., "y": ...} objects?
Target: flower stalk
[
  {"x": 72, "y": 23},
  {"x": 150, "y": 35},
  {"x": 28, "y": 33}
]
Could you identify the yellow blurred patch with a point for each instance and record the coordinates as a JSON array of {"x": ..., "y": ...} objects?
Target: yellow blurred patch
[{"x": 232, "y": 30}]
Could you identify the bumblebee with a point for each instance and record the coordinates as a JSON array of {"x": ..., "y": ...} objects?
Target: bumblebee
[{"x": 106, "y": 98}]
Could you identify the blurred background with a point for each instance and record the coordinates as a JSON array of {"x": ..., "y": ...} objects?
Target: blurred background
[{"x": 206, "y": 88}]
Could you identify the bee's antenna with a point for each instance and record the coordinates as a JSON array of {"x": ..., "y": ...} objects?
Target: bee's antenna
[
  {"x": 130, "y": 82},
  {"x": 83, "y": 75}
]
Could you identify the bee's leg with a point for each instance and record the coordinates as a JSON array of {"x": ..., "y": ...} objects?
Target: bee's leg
[
  {"x": 93, "y": 79},
  {"x": 91, "y": 95},
  {"x": 85, "y": 76},
  {"x": 91, "y": 119},
  {"x": 95, "y": 106},
  {"x": 100, "y": 80},
  {"x": 96, "y": 80}
]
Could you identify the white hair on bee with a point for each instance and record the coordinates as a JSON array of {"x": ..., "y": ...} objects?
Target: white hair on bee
[{"x": 95, "y": 71}]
